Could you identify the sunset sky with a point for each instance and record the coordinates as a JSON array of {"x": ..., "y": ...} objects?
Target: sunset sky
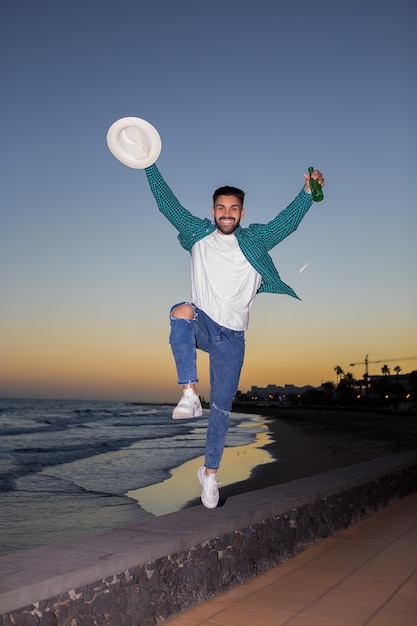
[{"x": 243, "y": 93}]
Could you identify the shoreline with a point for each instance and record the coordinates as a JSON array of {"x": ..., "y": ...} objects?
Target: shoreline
[
  {"x": 318, "y": 441},
  {"x": 174, "y": 493},
  {"x": 325, "y": 440},
  {"x": 295, "y": 443}
]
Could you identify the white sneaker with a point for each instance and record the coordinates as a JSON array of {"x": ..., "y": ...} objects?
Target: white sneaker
[
  {"x": 189, "y": 406},
  {"x": 210, "y": 493}
]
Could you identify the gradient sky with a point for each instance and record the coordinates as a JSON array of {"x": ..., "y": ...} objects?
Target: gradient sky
[{"x": 243, "y": 93}]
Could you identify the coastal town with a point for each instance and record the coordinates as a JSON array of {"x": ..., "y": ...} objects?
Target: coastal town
[{"x": 391, "y": 389}]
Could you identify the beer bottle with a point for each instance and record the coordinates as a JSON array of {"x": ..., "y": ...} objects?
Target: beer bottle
[{"x": 315, "y": 187}]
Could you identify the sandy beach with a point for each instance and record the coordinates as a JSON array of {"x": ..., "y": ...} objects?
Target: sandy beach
[
  {"x": 294, "y": 443},
  {"x": 319, "y": 441}
]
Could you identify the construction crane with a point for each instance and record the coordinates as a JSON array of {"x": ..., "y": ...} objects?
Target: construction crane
[{"x": 366, "y": 362}]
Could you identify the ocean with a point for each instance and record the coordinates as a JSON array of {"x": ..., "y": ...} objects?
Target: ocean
[{"x": 69, "y": 468}]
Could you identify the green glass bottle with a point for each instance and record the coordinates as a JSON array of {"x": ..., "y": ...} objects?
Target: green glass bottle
[{"x": 316, "y": 190}]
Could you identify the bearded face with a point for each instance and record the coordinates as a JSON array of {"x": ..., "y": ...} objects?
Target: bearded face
[{"x": 227, "y": 213}]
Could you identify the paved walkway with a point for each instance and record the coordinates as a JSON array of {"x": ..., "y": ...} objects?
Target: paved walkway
[{"x": 363, "y": 576}]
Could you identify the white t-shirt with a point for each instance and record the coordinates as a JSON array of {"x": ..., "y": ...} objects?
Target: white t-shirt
[{"x": 223, "y": 282}]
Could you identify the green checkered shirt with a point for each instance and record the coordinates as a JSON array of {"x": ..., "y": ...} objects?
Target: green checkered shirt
[{"x": 254, "y": 241}]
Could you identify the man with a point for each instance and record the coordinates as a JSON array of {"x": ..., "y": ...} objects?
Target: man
[{"x": 229, "y": 266}]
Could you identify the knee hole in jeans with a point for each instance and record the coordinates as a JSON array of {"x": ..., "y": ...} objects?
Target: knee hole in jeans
[{"x": 183, "y": 311}]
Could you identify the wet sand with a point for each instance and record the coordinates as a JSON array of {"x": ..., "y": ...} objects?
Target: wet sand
[
  {"x": 175, "y": 492},
  {"x": 308, "y": 442},
  {"x": 292, "y": 444}
]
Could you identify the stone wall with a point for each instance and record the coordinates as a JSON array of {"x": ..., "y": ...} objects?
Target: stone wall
[{"x": 249, "y": 535}]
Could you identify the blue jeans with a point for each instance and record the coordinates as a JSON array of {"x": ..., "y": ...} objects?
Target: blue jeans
[{"x": 226, "y": 349}]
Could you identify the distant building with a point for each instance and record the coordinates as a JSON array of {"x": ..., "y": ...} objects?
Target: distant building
[
  {"x": 396, "y": 389},
  {"x": 275, "y": 393}
]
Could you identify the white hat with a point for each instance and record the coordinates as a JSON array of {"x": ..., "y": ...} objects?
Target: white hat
[{"x": 134, "y": 142}]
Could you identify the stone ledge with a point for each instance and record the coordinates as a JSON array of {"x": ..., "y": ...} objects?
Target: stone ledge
[{"x": 148, "y": 571}]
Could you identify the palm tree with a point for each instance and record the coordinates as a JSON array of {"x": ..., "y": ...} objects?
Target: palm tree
[
  {"x": 328, "y": 388},
  {"x": 385, "y": 370},
  {"x": 339, "y": 372},
  {"x": 399, "y": 390},
  {"x": 346, "y": 389},
  {"x": 349, "y": 380}
]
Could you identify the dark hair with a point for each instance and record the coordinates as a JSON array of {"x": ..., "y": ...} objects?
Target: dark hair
[{"x": 229, "y": 191}]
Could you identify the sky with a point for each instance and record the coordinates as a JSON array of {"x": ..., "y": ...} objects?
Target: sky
[{"x": 242, "y": 93}]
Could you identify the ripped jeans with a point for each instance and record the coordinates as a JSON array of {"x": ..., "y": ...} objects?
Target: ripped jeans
[{"x": 226, "y": 349}]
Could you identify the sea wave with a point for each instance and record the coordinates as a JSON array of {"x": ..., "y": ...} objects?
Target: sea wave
[{"x": 66, "y": 466}]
